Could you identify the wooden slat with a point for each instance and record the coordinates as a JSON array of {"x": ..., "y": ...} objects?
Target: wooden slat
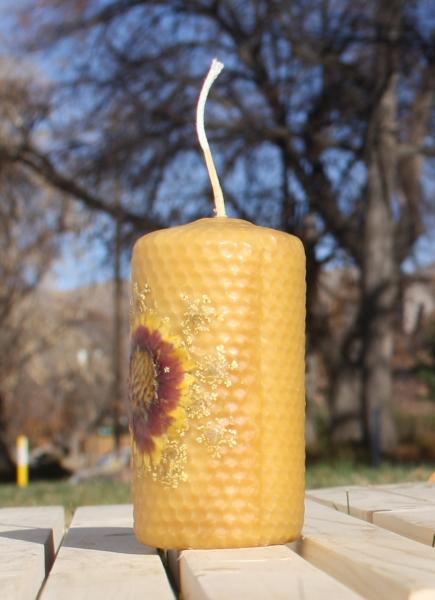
[
  {"x": 403, "y": 514},
  {"x": 101, "y": 559},
  {"x": 255, "y": 574},
  {"x": 363, "y": 501},
  {"x": 417, "y": 524},
  {"x": 376, "y": 563},
  {"x": 421, "y": 490},
  {"x": 29, "y": 539}
]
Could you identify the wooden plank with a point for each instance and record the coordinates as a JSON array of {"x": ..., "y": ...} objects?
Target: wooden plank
[
  {"x": 256, "y": 574},
  {"x": 421, "y": 490},
  {"x": 364, "y": 501},
  {"x": 406, "y": 509},
  {"x": 101, "y": 559},
  {"x": 376, "y": 563},
  {"x": 417, "y": 524},
  {"x": 29, "y": 539}
]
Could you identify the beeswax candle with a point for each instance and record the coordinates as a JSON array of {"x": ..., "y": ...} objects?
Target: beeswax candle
[{"x": 217, "y": 385}]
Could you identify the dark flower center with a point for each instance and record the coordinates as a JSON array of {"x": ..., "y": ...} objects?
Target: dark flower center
[{"x": 143, "y": 380}]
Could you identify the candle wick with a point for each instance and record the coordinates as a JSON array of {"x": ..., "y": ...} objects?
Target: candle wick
[{"x": 215, "y": 68}]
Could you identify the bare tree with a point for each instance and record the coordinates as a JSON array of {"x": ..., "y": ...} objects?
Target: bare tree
[
  {"x": 28, "y": 245},
  {"x": 320, "y": 124}
]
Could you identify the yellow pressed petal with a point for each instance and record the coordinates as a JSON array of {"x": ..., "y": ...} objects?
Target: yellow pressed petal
[
  {"x": 177, "y": 413},
  {"x": 187, "y": 381},
  {"x": 177, "y": 427},
  {"x": 184, "y": 357},
  {"x": 156, "y": 454},
  {"x": 137, "y": 456},
  {"x": 135, "y": 323}
]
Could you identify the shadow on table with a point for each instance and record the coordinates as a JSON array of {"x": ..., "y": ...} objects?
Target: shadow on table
[
  {"x": 106, "y": 539},
  {"x": 34, "y": 535}
]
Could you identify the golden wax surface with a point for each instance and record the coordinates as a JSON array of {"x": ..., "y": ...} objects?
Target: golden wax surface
[{"x": 217, "y": 385}]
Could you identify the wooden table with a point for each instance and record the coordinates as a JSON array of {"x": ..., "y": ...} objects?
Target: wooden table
[{"x": 358, "y": 542}]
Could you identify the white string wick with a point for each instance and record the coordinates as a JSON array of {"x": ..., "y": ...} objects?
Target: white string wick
[{"x": 215, "y": 68}]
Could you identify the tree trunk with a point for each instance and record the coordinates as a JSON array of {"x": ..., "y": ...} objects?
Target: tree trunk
[
  {"x": 345, "y": 389},
  {"x": 379, "y": 296},
  {"x": 380, "y": 282}
]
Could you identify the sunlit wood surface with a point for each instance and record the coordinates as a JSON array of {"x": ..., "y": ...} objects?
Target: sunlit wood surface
[{"x": 372, "y": 542}]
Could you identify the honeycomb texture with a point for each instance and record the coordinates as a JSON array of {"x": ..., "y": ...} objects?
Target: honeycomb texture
[{"x": 253, "y": 494}]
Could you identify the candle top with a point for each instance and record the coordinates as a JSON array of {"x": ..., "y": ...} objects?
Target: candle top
[{"x": 224, "y": 230}]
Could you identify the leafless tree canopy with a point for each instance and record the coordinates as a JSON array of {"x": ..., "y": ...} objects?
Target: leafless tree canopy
[{"x": 321, "y": 125}]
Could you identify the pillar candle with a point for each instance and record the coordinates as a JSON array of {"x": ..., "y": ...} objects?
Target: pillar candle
[
  {"x": 217, "y": 385},
  {"x": 217, "y": 381}
]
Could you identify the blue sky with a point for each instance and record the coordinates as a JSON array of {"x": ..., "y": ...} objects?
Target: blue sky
[{"x": 83, "y": 259}]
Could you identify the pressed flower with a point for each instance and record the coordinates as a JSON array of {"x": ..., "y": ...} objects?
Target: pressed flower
[{"x": 159, "y": 383}]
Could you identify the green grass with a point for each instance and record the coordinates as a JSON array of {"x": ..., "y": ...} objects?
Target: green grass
[
  {"x": 99, "y": 491},
  {"x": 348, "y": 472}
]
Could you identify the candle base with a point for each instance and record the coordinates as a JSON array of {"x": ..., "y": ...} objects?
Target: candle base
[{"x": 201, "y": 536}]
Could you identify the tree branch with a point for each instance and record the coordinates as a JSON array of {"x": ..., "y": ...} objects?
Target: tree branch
[{"x": 40, "y": 164}]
